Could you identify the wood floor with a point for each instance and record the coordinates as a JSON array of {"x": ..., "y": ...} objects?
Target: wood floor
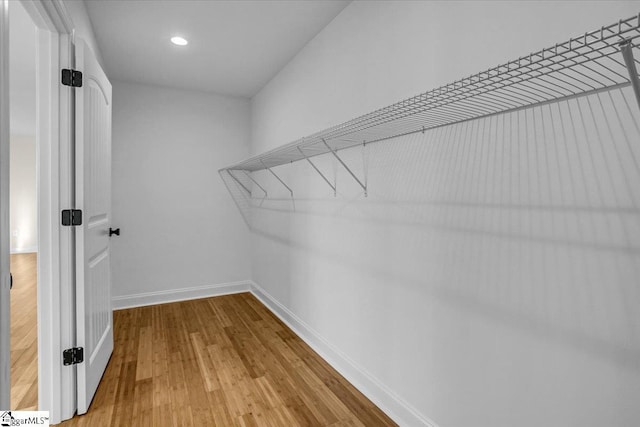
[
  {"x": 223, "y": 361},
  {"x": 24, "y": 333}
]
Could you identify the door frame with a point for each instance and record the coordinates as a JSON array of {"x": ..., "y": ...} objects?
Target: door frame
[
  {"x": 5, "y": 318},
  {"x": 54, "y": 153}
]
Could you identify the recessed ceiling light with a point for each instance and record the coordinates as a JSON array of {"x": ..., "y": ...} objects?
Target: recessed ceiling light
[{"x": 180, "y": 41}]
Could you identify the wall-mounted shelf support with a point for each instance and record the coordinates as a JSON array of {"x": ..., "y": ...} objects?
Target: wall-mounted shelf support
[
  {"x": 278, "y": 178},
  {"x": 333, "y": 187},
  {"x": 627, "y": 53},
  {"x": 364, "y": 187},
  {"x": 255, "y": 182},
  {"x": 239, "y": 182},
  {"x": 580, "y": 66}
]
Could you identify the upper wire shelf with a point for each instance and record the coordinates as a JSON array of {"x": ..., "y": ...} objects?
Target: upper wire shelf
[{"x": 598, "y": 60}]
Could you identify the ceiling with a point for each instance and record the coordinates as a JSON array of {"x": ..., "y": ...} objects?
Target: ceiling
[
  {"x": 235, "y": 47},
  {"x": 22, "y": 71}
]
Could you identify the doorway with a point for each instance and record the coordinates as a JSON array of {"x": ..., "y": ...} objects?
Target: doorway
[
  {"x": 23, "y": 209},
  {"x": 56, "y": 385}
]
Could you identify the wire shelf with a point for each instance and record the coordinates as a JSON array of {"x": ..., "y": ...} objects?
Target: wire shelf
[{"x": 581, "y": 66}]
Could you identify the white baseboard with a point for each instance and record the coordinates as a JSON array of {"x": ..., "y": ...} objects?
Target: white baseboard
[
  {"x": 396, "y": 408},
  {"x": 29, "y": 250},
  {"x": 174, "y": 295}
]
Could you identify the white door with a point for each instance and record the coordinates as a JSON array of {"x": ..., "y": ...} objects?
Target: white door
[{"x": 94, "y": 315}]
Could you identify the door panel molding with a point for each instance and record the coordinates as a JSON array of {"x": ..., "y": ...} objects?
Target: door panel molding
[{"x": 94, "y": 314}]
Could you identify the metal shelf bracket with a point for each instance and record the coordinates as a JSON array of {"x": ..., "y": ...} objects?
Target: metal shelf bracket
[
  {"x": 278, "y": 178},
  {"x": 255, "y": 182},
  {"x": 626, "y": 47},
  {"x": 333, "y": 187},
  {"x": 239, "y": 182},
  {"x": 364, "y": 187}
]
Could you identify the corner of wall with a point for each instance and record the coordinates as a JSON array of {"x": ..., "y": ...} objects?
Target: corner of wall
[{"x": 382, "y": 396}]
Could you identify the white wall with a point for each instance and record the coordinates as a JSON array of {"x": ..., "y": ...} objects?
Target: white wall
[
  {"x": 491, "y": 276},
  {"x": 23, "y": 215},
  {"x": 22, "y": 72},
  {"x": 24, "y": 237},
  {"x": 179, "y": 229}
]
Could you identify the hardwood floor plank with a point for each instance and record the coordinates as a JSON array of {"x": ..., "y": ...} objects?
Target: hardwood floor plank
[
  {"x": 24, "y": 332},
  {"x": 223, "y": 361},
  {"x": 205, "y": 365},
  {"x": 162, "y": 416},
  {"x": 160, "y": 370},
  {"x": 143, "y": 403},
  {"x": 220, "y": 408},
  {"x": 144, "y": 368}
]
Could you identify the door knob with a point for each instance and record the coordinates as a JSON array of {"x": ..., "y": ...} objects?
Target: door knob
[{"x": 112, "y": 231}]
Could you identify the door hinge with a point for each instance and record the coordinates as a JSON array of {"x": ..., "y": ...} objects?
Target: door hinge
[
  {"x": 71, "y": 78},
  {"x": 71, "y": 217},
  {"x": 73, "y": 356}
]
